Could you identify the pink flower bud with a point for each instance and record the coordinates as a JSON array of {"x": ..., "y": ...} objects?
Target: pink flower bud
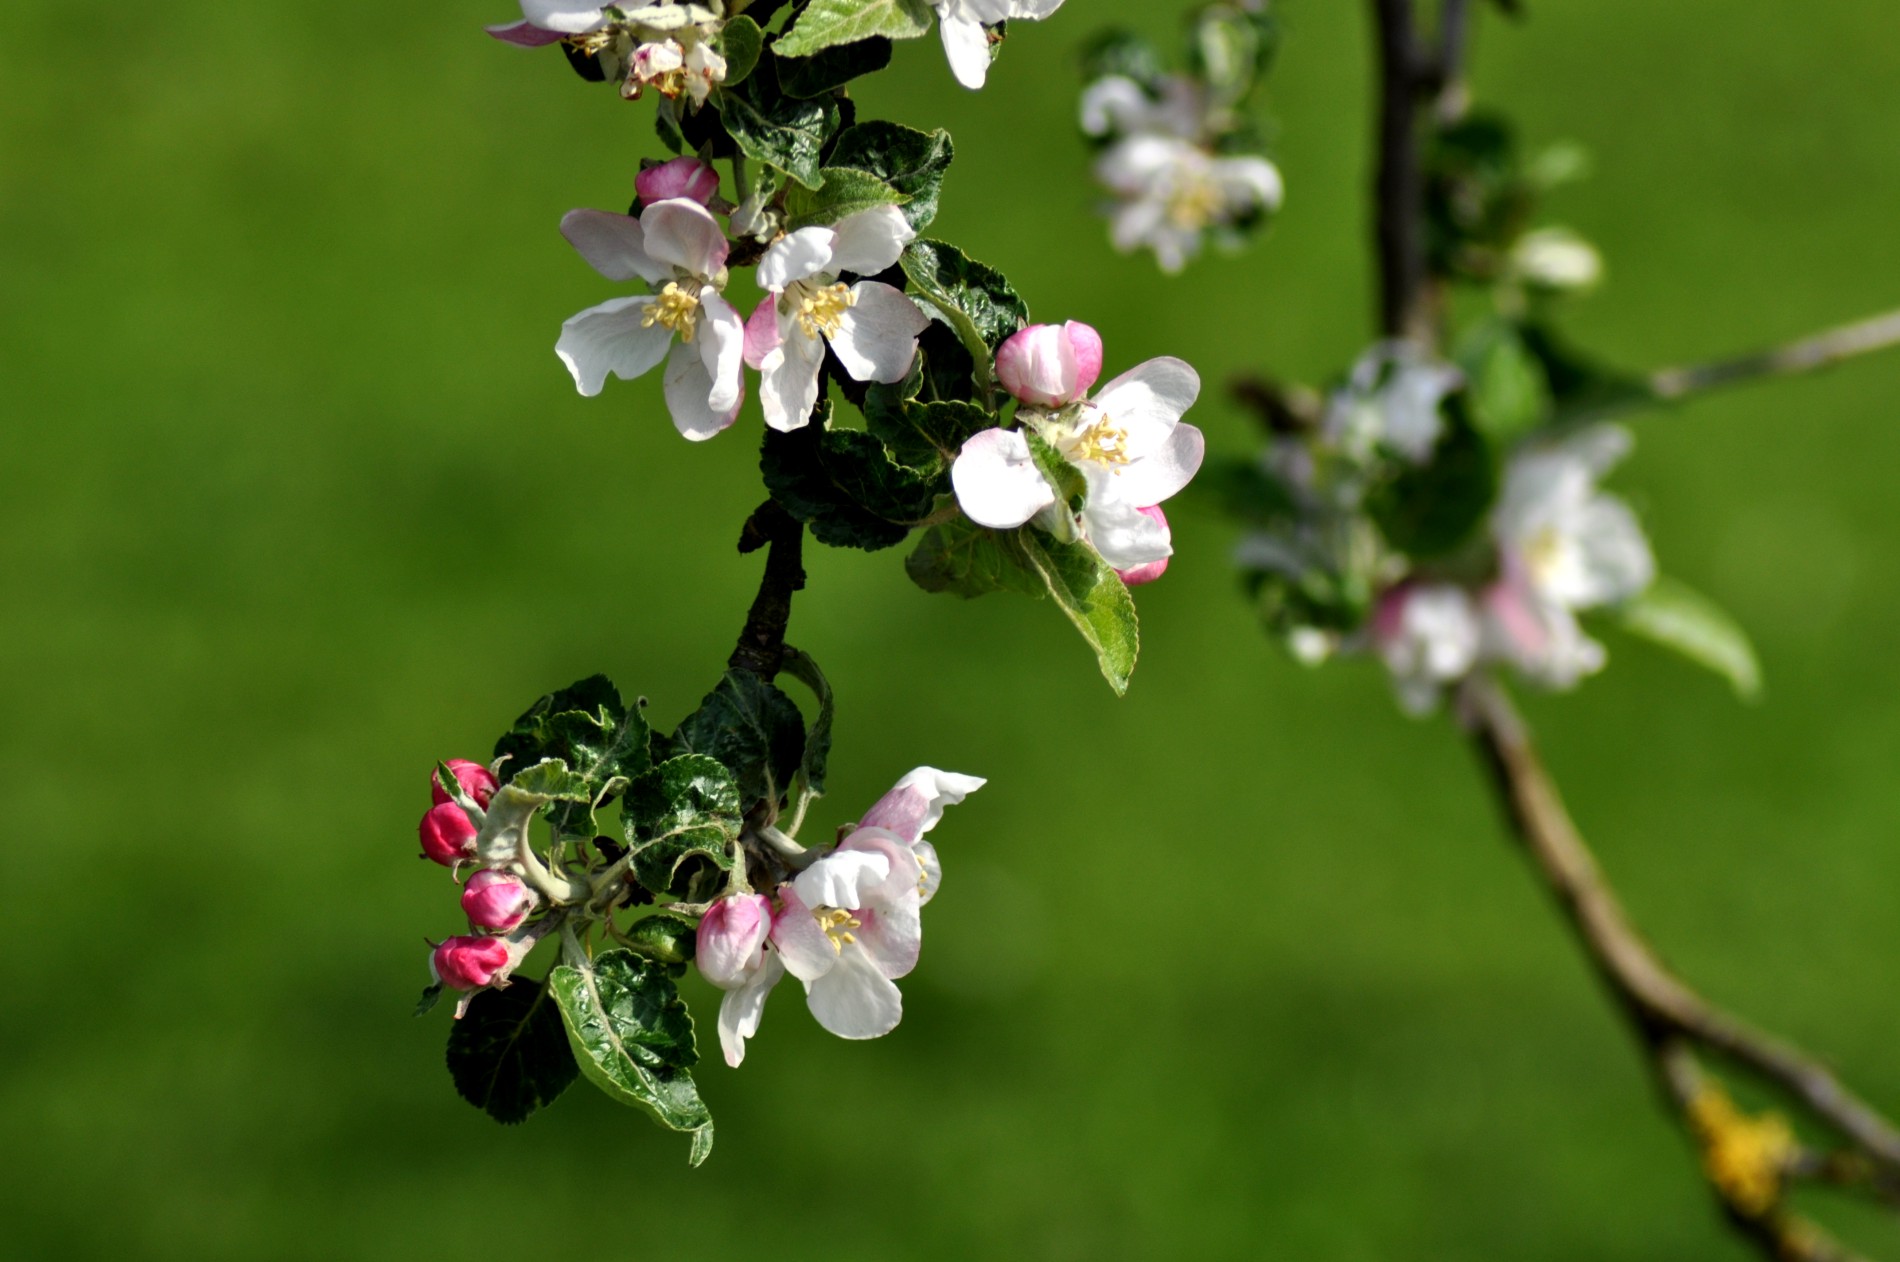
[
  {"x": 1050, "y": 365},
  {"x": 681, "y": 177},
  {"x": 497, "y": 901},
  {"x": 1135, "y": 576},
  {"x": 470, "y": 963},
  {"x": 732, "y": 938},
  {"x": 476, "y": 780},
  {"x": 447, "y": 835}
]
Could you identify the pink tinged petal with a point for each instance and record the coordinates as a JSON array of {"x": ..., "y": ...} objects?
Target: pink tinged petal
[
  {"x": 732, "y": 937},
  {"x": 901, "y": 877},
  {"x": 684, "y": 234},
  {"x": 611, "y": 338},
  {"x": 555, "y": 15},
  {"x": 877, "y": 335},
  {"x": 722, "y": 349},
  {"x": 855, "y": 1000},
  {"x": 681, "y": 177},
  {"x": 797, "y": 256},
  {"x": 891, "y": 937},
  {"x": 613, "y": 245},
  {"x": 1163, "y": 472},
  {"x": 1086, "y": 343},
  {"x": 1152, "y": 396},
  {"x": 688, "y": 386},
  {"x": 967, "y": 45},
  {"x": 997, "y": 482},
  {"x": 761, "y": 333},
  {"x": 798, "y": 939},
  {"x": 915, "y": 804},
  {"x": 870, "y": 241},
  {"x": 1038, "y": 365},
  {"x": 788, "y": 386},
  {"x": 1136, "y": 575},
  {"x": 524, "y": 35},
  {"x": 932, "y": 868},
  {"x": 841, "y": 877},
  {"x": 741, "y": 1009},
  {"x": 1122, "y": 533}
]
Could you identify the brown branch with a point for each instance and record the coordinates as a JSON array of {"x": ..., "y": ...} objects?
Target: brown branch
[
  {"x": 761, "y": 647},
  {"x": 1405, "y": 76},
  {"x": 1804, "y": 355},
  {"x": 1674, "y": 1024}
]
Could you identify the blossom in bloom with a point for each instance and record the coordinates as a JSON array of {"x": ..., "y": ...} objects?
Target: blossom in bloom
[
  {"x": 1392, "y": 399},
  {"x": 497, "y": 902},
  {"x": 674, "y": 69},
  {"x": 678, "y": 177},
  {"x": 677, "y": 247},
  {"x": 472, "y": 962},
  {"x": 966, "y": 41},
  {"x": 1564, "y": 546},
  {"x": 871, "y": 327},
  {"x": 1428, "y": 635},
  {"x": 448, "y": 835},
  {"x": 913, "y": 807},
  {"x": 476, "y": 780},
  {"x": 1128, "y": 441},
  {"x": 1556, "y": 259},
  {"x": 1136, "y": 575},
  {"x": 548, "y": 22},
  {"x": 732, "y": 954}
]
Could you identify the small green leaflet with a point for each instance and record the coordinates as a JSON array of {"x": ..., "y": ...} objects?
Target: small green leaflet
[
  {"x": 1679, "y": 618},
  {"x": 780, "y": 131},
  {"x": 509, "y": 1054},
  {"x": 633, "y": 1038},
  {"x": 825, "y": 23},
  {"x": 973, "y": 299},
  {"x": 845, "y": 192},
  {"x": 682, "y": 819}
]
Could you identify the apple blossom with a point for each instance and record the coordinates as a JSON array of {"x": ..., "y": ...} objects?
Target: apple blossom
[
  {"x": 871, "y": 327},
  {"x": 1128, "y": 442},
  {"x": 496, "y": 901},
  {"x": 1136, "y": 575},
  {"x": 476, "y": 780},
  {"x": 732, "y": 954},
  {"x": 448, "y": 835},
  {"x": 1050, "y": 365},
  {"x": 678, "y": 177},
  {"x": 913, "y": 807},
  {"x": 966, "y": 40},
  {"x": 677, "y": 247},
  {"x": 1171, "y": 192},
  {"x": 1428, "y": 635},
  {"x": 673, "y": 69},
  {"x": 471, "y": 962},
  {"x": 849, "y": 928},
  {"x": 1392, "y": 399}
]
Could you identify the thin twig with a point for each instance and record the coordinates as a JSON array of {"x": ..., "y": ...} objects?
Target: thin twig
[
  {"x": 1804, "y": 355},
  {"x": 761, "y": 647},
  {"x": 1672, "y": 1022}
]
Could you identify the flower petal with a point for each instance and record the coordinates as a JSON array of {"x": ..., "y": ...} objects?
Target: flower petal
[
  {"x": 877, "y": 335},
  {"x": 890, "y": 937},
  {"x": 611, "y": 338},
  {"x": 933, "y": 871},
  {"x": 1154, "y": 395},
  {"x": 967, "y": 45},
  {"x": 915, "y": 803},
  {"x": 559, "y": 15},
  {"x": 722, "y": 350},
  {"x": 685, "y": 234},
  {"x": 855, "y": 1000},
  {"x": 613, "y": 245},
  {"x": 1162, "y": 473},
  {"x": 741, "y": 1009},
  {"x": 842, "y": 878},
  {"x": 807, "y": 952},
  {"x": 870, "y": 241},
  {"x": 761, "y": 333},
  {"x": 524, "y": 34},
  {"x": 1124, "y": 535},
  {"x": 788, "y": 386},
  {"x": 997, "y": 482},
  {"x": 688, "y": 388},
  {"x": 796, "y": 256}
]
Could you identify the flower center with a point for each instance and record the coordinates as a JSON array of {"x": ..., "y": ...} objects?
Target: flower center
[
  {"x": 837, "y": 926},
  {"x": 1543, "y": 554},
  {"x": 820, "y": 311},
  {"x": 676, "y": 309},
  {"x": 1101, "y": 442},
  {"x": 1194, "y": 203}
]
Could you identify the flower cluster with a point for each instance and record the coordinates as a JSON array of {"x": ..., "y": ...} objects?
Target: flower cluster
[{"x": 666, "y": 48}]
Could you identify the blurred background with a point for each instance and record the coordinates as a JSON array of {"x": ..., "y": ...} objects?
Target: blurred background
[{"x": 299, "y": 500}]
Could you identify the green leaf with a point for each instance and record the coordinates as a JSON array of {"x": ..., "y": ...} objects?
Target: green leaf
[
  {"x": 826, "y": 23},
  {"x": 633, "y": 1038},
  {"x": 509, "y": 1054},
  {"x": 778, "y": 130},
  {"x": 1583, "y": 387},
  {"x": 431, "y": 996},
  {"x": 1431, "y": 510},
  {"x": 910, "y": 161},
  {"x": 923, "y": 436},
  {"x": 846, "y": 192},
  {"x": 844, "y": 484},
  {"x": 1123, "y": 54},
  {"x": 970, "y": 560},
  {"x": 1679, "y": 618},
  {"x": 753, "y": 728},
  {"x": 740, "y": 42},
  {"x": 811, "y": 771},
  {"x": 974, "y": 300},
  {"x": 511, "y": 811},
  {"x": 682, "y": 820},
  {"x": 832, "y": 67},
  {"x": 1509, "y": 393},
  {"x": 671, "y": 939},
  {"x": 587, "y": 727},
  {"x": 1070, "y": 486}
]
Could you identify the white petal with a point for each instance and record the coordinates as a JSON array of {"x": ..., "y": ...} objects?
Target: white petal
[
  {"x": 610, "y": 338},
  {"x": 788, "y": 384},
  {"x": 997, "y": 482},
  {"x": 836, "y": 879},
  {"x": 1162, "y": 473},
  {"x": 1151, "y": 396},
  {"x": 855, "y": 1000},
  {"x": 870, "y": 241},
  {"x": 557, "y": 15},
  {"x": 877, "y": 335},
  {"x": 798, "y": 256},
  {"x": 722, "y": 350},
  {"x": 683, "y": 233},
  {"x": 967, "y": 45},
  {"x": 1248, "y": 183},
  {"x": 1113, "y": 103},
  {"x": 688, "y": 386},
  {"x": 1033, "y": 10},
  {"x": 741, "y": 1009},
  {"x": 890, "y": 937},
  {"x": 1121, "y": 532},
  {"x": 808, "y": 953},
  {"x": 614, "y": 245},
  {"x": 915, "y": 804}
]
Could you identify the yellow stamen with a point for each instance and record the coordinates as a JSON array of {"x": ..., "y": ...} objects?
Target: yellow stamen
[
  {"x": 1104, "y": 442},
  {"x": 821, "y": 311},
  {"x": 1195, "y": 204},
  {"x": 1745, "y": 1157},
  {"x": 674, "y": 308},
  {"x": 1544, "y": 552},
  {"x": 837, "y": 925}
]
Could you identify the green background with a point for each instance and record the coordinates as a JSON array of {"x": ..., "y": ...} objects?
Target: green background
[{"x": 298, "y": 500}]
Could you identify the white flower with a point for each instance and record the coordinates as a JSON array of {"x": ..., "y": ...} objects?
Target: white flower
[
  {"x": 1557, "y": 259},
  {"x": 966, "y": 42},
  {"x": 1392, "y": 398},
  {"x": 677, "y": 247},
  {"x": 547, "y": 23},
  {"x": 1172, "y": 192},
  {"x": 674, "y": 70},
  {"x": 1565, "y": 546},
  {"x": 1128, "y": 442},
  {"x": 1115, "y": 105},
  {"x": 1428, "y": 635},
  {"x": 872, "y": 327}
]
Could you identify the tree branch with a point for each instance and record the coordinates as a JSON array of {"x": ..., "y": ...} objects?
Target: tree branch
[
  {"x": 1747, "y": 1161},
  {"x": 1399, "y": 188},
  {"x": 761, "y": 647},
  {"x": 1804, "y": 355}
]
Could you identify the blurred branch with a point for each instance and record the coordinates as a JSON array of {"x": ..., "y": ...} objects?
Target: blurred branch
[
  {"x": 1805, "y": 355},
  {"x": 761, "y": 647},
  {"x": 1748, "y": 1161}
]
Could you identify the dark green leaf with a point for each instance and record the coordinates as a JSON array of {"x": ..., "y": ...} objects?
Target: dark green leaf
[
  {"x": 832, "y": 67},
  {"x": 780, "y": 131},
  {"x": 844, "y": 484},
  {"x": 1679, "y": 618},
  {"x": 1583, "y": 387},
  {"x": 431, "y": 996},
  {"x": 682, "y": 820},
  {"x": 922, "y": 435},
  {"x": 666, "y": 937},
  {"x": 825, "y": 23},
  {"x": 846, "y": 192},
  {"x": 1123, "y": 54},
  {"x": 1508, "y": 392},
  {"x": 753, "y": 728},
  {"x": 740, "y": 42},
  {"x": 802, "y": 667},
  {"x": 910, "y": 161},
  {"x": 1431, "y": 510},
  {"x": 633, "y": 1038},
  {"x": 587, "y": 727},
  {"x": 973, "y": 299},
  {"x": 509, "y": 1054}
]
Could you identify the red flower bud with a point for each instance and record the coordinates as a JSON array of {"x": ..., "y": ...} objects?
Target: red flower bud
[
  {"x": 476, "y": 780},
  {"x": 681, "y": 177},
  {"x": 497, "y": 901},
  {"x": 470, "y": 963},
  {"x": 447, "y": 835}
]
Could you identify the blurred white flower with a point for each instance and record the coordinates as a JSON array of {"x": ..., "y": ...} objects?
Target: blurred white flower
[
  {"x": 1556, "y": 259},
  {"x": 1391, "y": 399}
]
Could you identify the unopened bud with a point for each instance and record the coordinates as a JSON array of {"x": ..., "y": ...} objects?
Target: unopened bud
[
  {"x": 497, "y": 901},
  {"x": 681, "y": 177},
  {"x": 731, "y": 938},
  {"x": 1050, "y": 365},
  {"x": 447, "y": 835},
  {"x": 470, "y": 963},
  {"x": 476, "y": 780},
  {"x": 1147, "y": 572}
]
